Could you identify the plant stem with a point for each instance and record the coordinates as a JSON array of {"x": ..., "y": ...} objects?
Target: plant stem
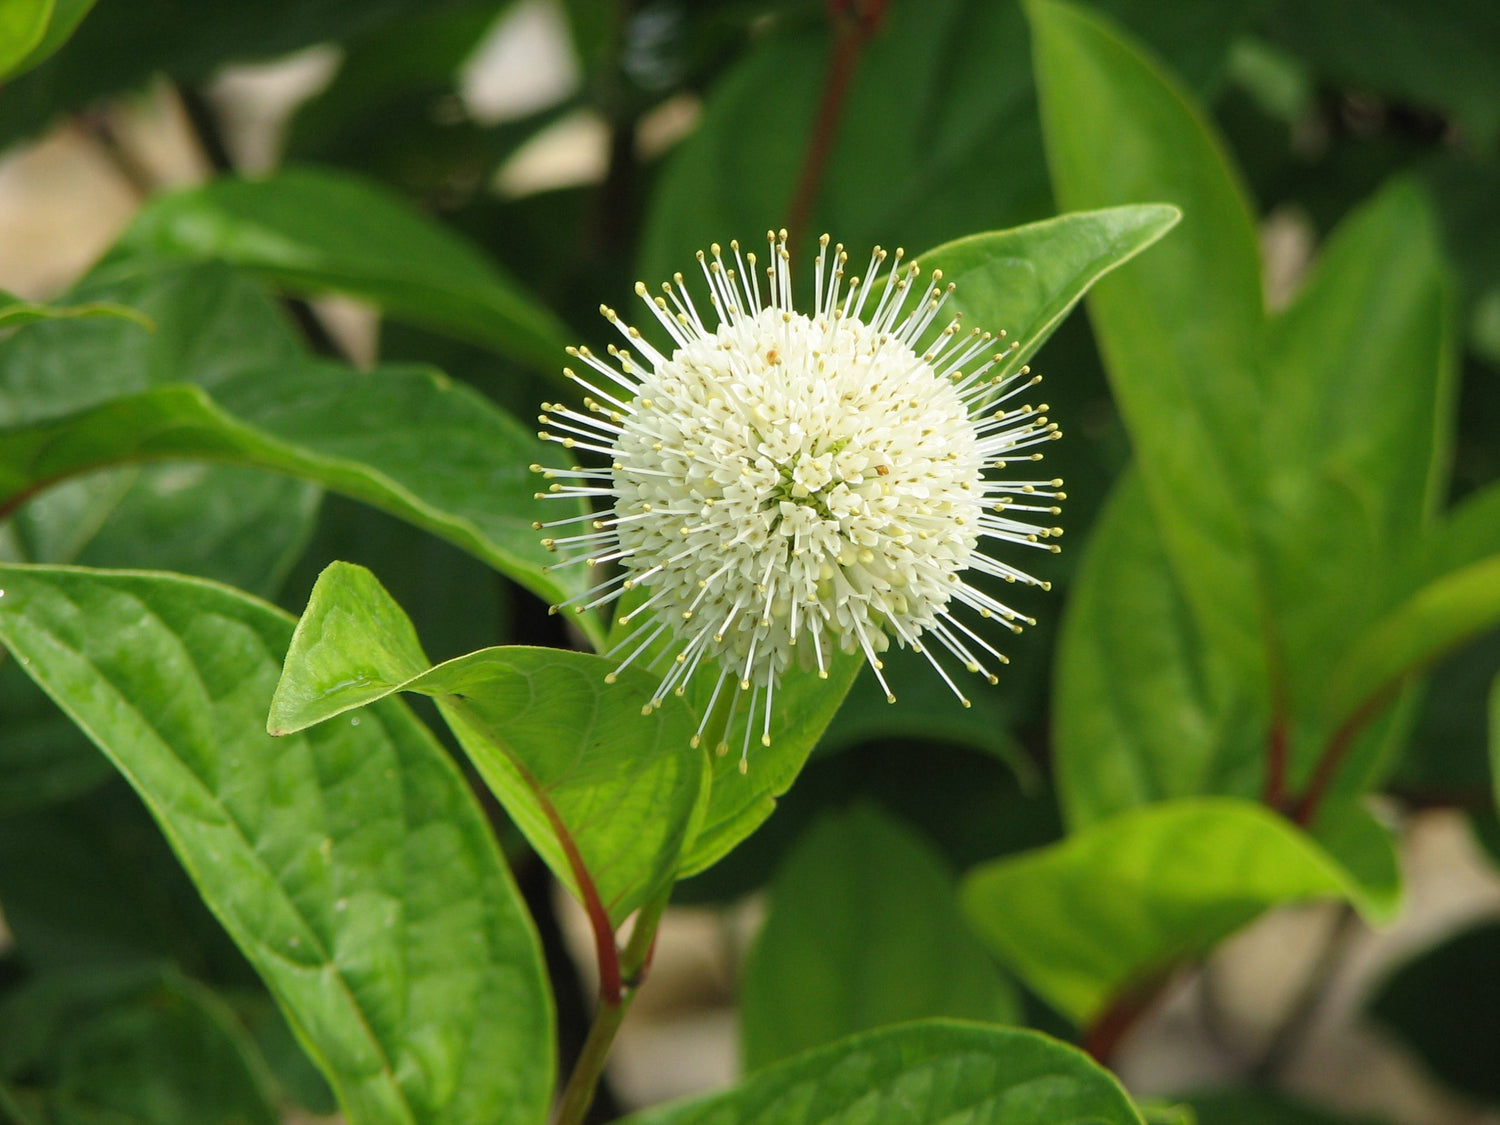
[
  {"x": 1106, "y": 1033},
  {"x": 855, "y": 22},
  {"x": 1288, "y": 1034},
  {"x": 1277, "y": 746},
  {"x": 633, "y": 965},
  {"x": 1334, "y": 754}
]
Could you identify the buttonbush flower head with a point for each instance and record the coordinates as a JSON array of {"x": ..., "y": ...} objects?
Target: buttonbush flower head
[{"x": 784, "y": 484}]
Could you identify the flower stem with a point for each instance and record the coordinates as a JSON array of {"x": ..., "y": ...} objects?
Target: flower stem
[
  {"x": 854, "y": 21},
  {"x": 633, "y": 964}
]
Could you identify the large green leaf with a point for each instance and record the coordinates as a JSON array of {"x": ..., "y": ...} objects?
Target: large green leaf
[
  {"x": 317, "y": 230},
  {"x": 413, "y": 442},
  {"x": 43, "y": 757},
  {"x": 350, "y": 864},
  {"x": 1356, "y": 442},
  {"x": 1144, "y": 709},
  {"x": 112, "y": 1047},
  {"x": 608, "y": 797},
  {"x": 863, "y": 931},
  {"x": 1129, "y": 897},
  {"x": 1178, "y": 332},
  {"x": 1470, "y": 532},
  {"x": 916, "y": 1074}
]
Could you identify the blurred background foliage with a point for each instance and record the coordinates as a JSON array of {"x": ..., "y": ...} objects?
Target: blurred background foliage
[{"x": 489, "y": 237}]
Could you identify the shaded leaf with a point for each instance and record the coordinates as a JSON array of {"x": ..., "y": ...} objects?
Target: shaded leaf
[
  {"x": 148, "y": 1046},
  {"x": 863, "y": 931},
  {"x": 14, "y": 312},
  {"x": 1134, "y": 895},
  {"x": 917, "y": 1073},
  {"x": 607, "y": 796},
  {"x": 350, "y": 864},
  {"x": 315, "y": 230},
  {"x": 1444, "y": 1005}
]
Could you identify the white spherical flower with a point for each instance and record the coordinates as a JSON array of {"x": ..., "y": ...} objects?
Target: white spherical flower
[{"x": 785, "y": 483}]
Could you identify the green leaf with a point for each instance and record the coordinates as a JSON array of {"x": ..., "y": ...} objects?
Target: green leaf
[
  {"x": 1263, "y": 1107},
  {"x": 1356, "y": 442},
  {"x": 863, "y": 930},
  {"x": 1495, "y": 739},
  {"x": 136, "y": 1046},
  {"x": 1426, "y": 625},
  {"x": 1470, "y": 532},
  {"x": 316, "y": 230},
  {"x": 950, "y": 148},
  {"x": 412, "y": 442},
  {"x": 1178, "y": 332},
  {"x": 1438, "y": 55},
  {"x": 1145, "y": 710},
  {"x": 43, "y": 757},
  {"x": 350, "y": 864},
  {"x": 212, "y": 325},
  {"x": 607, "y": 796},
  {"x": 1127, "y": 898},
  {"x": 23, "y": 23},
  {"x": 918, "y": 1073},
  {"x": 1025, "y": 280},
  {"x": 14, "y": 312},
  {"x": 1444, "y": 1005}
]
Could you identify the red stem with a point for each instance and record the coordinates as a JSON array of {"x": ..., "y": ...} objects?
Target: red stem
[
  {"x": 855, "y": 22},
  {"x": 1106, "y": 1033},
  {"x": 1278, "y": 745},
  {"x": 1334, "y": 754}
]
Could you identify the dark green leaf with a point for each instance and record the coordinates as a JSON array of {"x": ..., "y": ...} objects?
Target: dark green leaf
[
  {"x": 1436, "y": 54},
  {"x": 410, "y": 441},
  {"x": 350, "y": 864},
  {"x": 212, "y": 326},
  {"x": 949, "y": 148},
  {"x": 916, "y": 1074},
  {"x": 1134, "y": 895},
  {"x": 316, "y": 230},
  {"x": 863, "y": 930},
  {"x": 1261, "y": 1107},
  {"x": 142, "y": 1046},
  {"x": 121, "y": 46},
  {"x": 1178, "y": 331},
  {"x": 1144, "y": 709},
  {"x": 1444, "y": 1004},
  {"x": 607, "y": 796}
]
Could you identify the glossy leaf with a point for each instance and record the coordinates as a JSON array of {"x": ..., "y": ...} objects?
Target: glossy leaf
[
  {"x": 918, "y": 1073},
  {"x": 410, "y": 441},
  {"x": 317, "y": 230},
  {"x": 608, "y": 797},
  {"x": 1084, "y": 920},
  {"x": 1178, "y": 332},
  {"x": 1025, "y": 280},
  {"x": 1145, "y": 709},
  {"x": 43, "y": 757},
  {"x": 350, "y": 864},
  {"x": 112, "y": 1046},
  {"x": 863, "y": 931}
]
